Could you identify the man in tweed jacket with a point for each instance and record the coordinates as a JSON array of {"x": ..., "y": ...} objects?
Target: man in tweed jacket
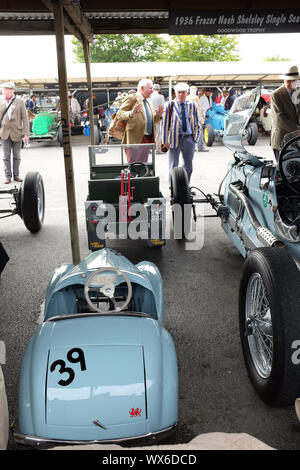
[
  {"x": 14, "y": 125},
  {"x": 285, "y": 110},
  {"x": 180, "y": 130}
]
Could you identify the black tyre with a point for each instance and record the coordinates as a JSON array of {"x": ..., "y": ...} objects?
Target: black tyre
[
  {"x": 252, "y": 133},
  {"x": 209, "y": 135},
  {"x": 33, "y": 201},
  {"x": 269, "y": 313},
  {"x": 181, "y": 202},
  {"x": 97, "y": 135},
  {"x": 60, "y": 137}
]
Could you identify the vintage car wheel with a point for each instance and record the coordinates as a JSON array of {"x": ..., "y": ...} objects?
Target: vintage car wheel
[
  {"x": 209, "y": 136},
  {"x": 60, "y": 137},
  {"x": 181, "y": 198},
  {"x": 97, "y": 134},
  {"x": 252, "y": 133},
  {"x": 33, "y": 201},
  {"x": 269, "y": 303}
]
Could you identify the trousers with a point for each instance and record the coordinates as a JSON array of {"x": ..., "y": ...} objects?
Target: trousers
[
  {"x": 15, "y": 148},
  {"x": 186, "y": 145}
]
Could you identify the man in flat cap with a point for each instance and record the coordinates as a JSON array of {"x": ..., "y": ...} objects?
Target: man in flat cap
[
  {"x": 285, "y": 110},
  {"x": 180, "y": 129},
  {"x": 13, "y": 125}
]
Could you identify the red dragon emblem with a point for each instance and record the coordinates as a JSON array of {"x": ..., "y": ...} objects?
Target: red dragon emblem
[{"x": 135, "y": 412}]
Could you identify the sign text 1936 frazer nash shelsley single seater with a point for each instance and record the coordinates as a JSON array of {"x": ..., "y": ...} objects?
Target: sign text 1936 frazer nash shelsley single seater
[{"x": 260, "y": 213}]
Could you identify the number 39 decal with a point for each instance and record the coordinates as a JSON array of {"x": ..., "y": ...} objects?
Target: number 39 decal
[{"x": 79, "y": 357}]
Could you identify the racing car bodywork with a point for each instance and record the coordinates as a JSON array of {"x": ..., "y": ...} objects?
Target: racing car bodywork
[
  {"x": 260, "y": 213},
  {"x": 262, "y": 200},
  {"x": 101, "y": 366}
]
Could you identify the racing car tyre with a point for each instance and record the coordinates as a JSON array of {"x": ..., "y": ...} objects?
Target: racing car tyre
[
  {"x": 60, "y": 137},
  {"x": 180, "y": 195},
  {"x": 97, "y": 135},
  {"x": 252, "y": 133},
  {"x": 269, "y": 301},
  {"x": 33, "y": 201},
  {"x": 209, "y": 136}
]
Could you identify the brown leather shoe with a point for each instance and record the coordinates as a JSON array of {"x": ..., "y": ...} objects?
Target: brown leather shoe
[
  {"x": 18, "y": 179},
  {"x": 7, "y": 181}
]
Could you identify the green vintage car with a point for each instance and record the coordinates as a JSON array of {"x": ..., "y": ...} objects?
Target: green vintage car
[{"x": 45, "y": 126}]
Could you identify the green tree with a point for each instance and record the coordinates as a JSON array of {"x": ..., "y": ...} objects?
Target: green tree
[
  {"x": 202, "y": 48},
  {"x": 276, "y": 58},
  {"x": 159, "y": 48},
  {"x": 123, "y": 48}
]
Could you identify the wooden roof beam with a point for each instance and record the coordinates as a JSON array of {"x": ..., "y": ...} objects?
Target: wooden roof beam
[
  {"x": 74, "y": 20},
  {"x": 80, "y": 21}
]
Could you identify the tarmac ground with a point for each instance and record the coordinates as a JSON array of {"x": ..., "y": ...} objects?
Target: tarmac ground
[{"x": 201, "y": 297}]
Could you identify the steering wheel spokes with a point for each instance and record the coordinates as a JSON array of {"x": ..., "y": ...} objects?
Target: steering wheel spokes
[{"x": 103, "y": 282}]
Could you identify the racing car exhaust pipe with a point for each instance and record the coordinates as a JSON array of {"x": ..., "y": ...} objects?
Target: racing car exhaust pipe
[{"x": 264, "y": 235}]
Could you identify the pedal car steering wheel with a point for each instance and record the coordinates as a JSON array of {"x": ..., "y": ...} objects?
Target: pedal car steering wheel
[
  {"x": 103, "y": 281},
  {"x": 289, "y": 164},
  {"x": 144, "y": 169}
]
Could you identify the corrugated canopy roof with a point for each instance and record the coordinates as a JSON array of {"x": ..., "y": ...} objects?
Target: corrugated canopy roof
[{"x": 130, "y": 73}]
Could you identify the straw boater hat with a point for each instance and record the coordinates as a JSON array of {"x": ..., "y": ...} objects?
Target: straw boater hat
[
  {"x": 292, "y": 74},
  {"x": 181, "y": 87}
]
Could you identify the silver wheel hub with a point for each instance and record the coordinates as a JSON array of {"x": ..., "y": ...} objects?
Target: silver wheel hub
[{"x": 259, "y": 326}]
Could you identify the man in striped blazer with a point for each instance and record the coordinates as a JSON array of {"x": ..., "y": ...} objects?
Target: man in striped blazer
[{"x": 180, "y": 130}]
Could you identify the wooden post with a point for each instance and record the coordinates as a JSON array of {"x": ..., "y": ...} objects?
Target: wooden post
[
  {"x": 65, "y": 121},
  {"x": 86, "y": 51}
]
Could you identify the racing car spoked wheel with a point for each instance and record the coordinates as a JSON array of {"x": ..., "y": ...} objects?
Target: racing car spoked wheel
[
  {"x": 208, "y": 134},
  {"x": 269, "y": 320},
  {"x": 138, "y": 169},
  {"x": 32, "y": 201},
  {"x": 103, "y": 281},
  {"x": 252, "y": 133},
  {"x": 181, "y": 200}
]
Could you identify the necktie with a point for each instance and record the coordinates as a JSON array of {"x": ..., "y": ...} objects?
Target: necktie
[
  {"x": 149, "y": 117},
  {"x": 183, "y": 117}
]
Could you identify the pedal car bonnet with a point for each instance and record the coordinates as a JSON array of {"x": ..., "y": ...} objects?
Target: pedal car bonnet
[{"x": 97, "y": 379}]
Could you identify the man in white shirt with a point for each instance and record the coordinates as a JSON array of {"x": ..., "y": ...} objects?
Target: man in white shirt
[{"x": 206, "y": 101}]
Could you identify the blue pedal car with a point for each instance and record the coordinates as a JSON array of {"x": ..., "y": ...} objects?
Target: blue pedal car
[
  {"x": 215, "y": 125},
  {"x": 101, "y": 367}
]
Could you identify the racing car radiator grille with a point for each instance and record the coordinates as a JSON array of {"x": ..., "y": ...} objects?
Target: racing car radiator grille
[{"x": 233, "y": 202}]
